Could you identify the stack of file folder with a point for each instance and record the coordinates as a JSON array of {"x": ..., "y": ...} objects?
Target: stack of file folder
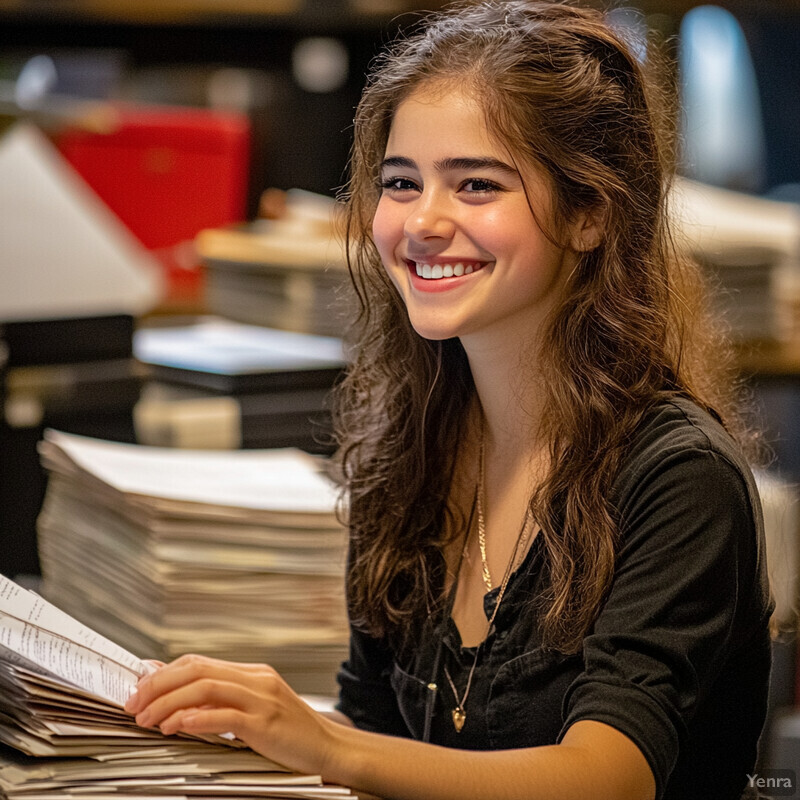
[
  {"x": 64, "y": 731},
  {"x": 232, "y": 554}
]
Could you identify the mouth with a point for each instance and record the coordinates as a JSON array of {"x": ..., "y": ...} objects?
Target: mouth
[{"x": 441, "y": 271}]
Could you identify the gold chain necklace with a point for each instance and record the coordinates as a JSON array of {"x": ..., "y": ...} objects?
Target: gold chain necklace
[
  {"x": 459, "y": 713},
  {"x": 487, "y": 577}
]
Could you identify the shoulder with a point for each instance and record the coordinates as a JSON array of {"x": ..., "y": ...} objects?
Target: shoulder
[
  {"x": 686, "y": 499},
  {"x": 681, "y": 444},
  {"x": 678, "y": 425}
]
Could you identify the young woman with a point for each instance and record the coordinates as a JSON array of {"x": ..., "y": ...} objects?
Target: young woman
[{"x": 556, "y": 580}]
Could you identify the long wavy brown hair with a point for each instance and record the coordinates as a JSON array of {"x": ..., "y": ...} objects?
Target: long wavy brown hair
[{"x": 562, "y": 91}]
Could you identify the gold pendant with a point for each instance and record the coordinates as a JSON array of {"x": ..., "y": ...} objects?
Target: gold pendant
[{"x": 459, "y": 718}]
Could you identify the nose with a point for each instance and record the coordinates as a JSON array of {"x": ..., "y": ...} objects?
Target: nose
[{"x": 430, "y": 217}]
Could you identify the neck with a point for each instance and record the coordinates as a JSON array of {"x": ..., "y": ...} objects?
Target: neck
[{"x": 505, "y": 377}]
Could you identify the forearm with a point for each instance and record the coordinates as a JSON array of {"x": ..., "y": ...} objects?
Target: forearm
[
  {"x": 200, "y": 695},
  {"x": 574, "y": 770},
  {"x": 338, "y": 717}
]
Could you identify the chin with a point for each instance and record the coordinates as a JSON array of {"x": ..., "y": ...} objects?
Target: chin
[
  {"x": 438, "y": 323},
  {"x": 435, "y": 333}
]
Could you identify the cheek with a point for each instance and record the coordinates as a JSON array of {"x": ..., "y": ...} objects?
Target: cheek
[
  {"x": 492, "y": 230},
  {"x": 386, "y": 231}
]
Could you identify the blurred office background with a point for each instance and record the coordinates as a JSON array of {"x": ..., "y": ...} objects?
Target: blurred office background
[{"x": 217, "y": 132}]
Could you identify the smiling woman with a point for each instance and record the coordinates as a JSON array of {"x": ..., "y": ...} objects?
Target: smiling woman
[
  {"x": 456, "y": 230},
  {"x": 556, "y": 580}
]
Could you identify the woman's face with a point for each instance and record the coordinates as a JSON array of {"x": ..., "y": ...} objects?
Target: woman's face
[{"x": 454, "y": 225}]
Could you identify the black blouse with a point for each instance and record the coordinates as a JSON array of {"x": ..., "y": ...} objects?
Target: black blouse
[{"x": 678, "y": 659}]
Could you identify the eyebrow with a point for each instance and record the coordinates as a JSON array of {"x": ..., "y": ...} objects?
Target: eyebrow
[{"x": 462, "y": 163}]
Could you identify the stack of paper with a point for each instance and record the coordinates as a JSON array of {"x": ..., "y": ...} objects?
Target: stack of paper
[
  {"x": 288, "y": 272},
  {"x": 63, "y": 691},
  {"x": 217, "y": 383},
  {"x": 233, "y": 554},
  {"x": 750, "y": 247},
  {"x": 162, "y": 772},
  {"x": 781, "y": 509}
]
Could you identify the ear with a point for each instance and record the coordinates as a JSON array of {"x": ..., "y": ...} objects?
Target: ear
[{"x": 588, "y": 229}]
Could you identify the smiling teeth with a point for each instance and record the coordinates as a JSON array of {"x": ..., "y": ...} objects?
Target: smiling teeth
[{"x": 447, "y": 271}]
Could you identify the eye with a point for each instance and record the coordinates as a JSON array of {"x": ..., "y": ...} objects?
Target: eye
[
  {"x": 480, "y": 186},
  {"x": 398, "y": 185}
]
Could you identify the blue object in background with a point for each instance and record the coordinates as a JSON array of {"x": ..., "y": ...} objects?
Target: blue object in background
[{"x": 721, "y": 118}]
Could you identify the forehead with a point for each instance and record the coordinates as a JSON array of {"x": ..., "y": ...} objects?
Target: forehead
[{"x": 442, "y": 120}]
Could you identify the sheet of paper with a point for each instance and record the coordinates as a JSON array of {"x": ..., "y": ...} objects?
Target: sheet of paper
[
  {"x": 223, "y": 346},
  {"x": 64, "y": 253},
  {"x": 285, "y": 480},
  {"x": 723, "y": 223},
  {"x": 29, "y": 607},
  {"x": 68, "y": 660}
]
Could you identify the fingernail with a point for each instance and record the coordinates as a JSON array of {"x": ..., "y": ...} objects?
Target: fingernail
[
  {"x": 143, "y": 720},
  {"x": 132, "y": 704}
]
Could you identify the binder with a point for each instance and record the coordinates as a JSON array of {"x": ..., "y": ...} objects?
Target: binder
[
  {"x": 67, "y": 340},
  {"x": 223, "y": 384}
]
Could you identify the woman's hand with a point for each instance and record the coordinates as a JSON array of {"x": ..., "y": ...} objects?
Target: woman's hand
[{"x": 200, "y": 695}]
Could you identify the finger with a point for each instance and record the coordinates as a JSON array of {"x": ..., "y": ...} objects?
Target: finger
[
  {"x": 174, "y": 722},
  {"x": 191, "y": 668},
  {"x": 203, "y": 692},
  {"x": 203, "y": 721},
  {"x": 194, "y": 658}
]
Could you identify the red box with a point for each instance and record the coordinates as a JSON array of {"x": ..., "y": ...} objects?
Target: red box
[{"x": 168, "y": 173}]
